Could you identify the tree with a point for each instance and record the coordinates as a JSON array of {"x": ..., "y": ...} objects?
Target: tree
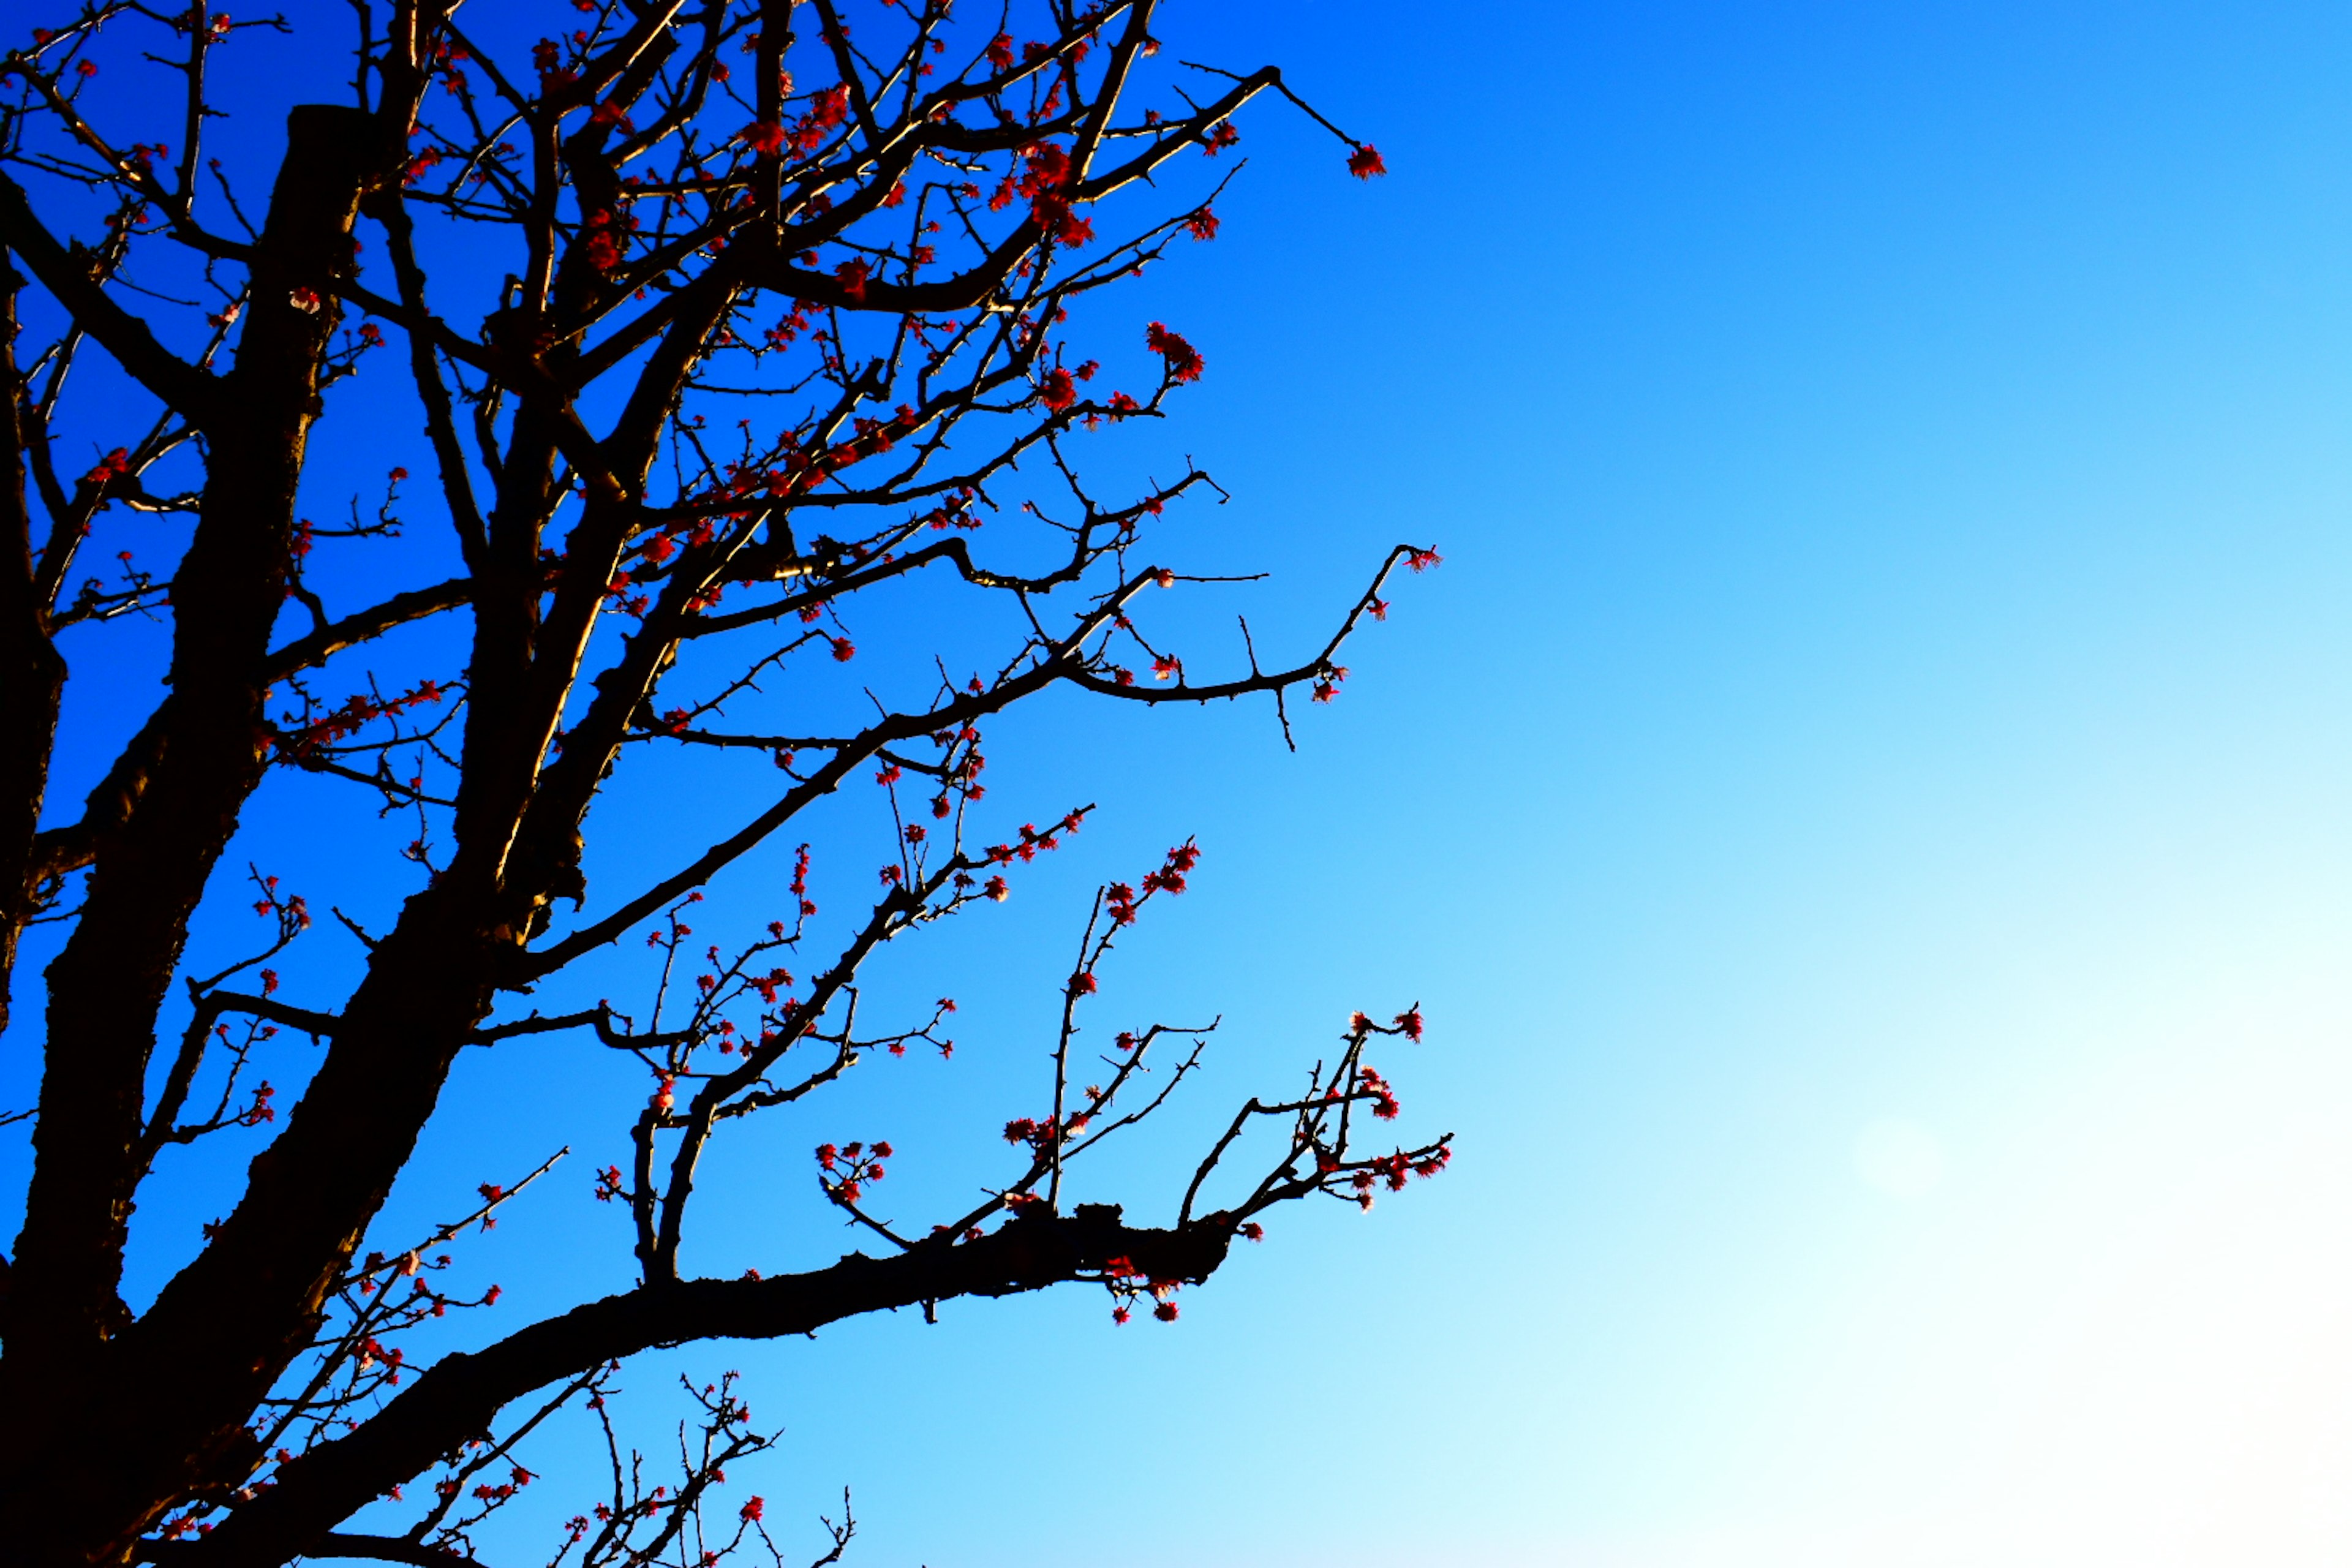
[{"x": 770, "y": 303}]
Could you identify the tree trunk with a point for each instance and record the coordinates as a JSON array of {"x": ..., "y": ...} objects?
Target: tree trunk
[{"x": 63, "y": 1380}]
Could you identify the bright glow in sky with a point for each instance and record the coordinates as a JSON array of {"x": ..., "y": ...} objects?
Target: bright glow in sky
[{"x": 1866, "y": 808}]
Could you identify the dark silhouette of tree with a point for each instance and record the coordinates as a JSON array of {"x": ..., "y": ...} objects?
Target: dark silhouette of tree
[{"x": 770, "y": 303}]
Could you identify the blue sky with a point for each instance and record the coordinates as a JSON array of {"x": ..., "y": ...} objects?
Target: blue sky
[{"x": 1863, "y": 805}]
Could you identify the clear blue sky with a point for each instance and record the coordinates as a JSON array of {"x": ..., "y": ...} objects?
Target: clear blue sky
[{"x": 1864, "y": 806}]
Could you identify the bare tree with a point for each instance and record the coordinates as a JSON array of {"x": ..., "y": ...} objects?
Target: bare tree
[{"x": 772, "y": 304}]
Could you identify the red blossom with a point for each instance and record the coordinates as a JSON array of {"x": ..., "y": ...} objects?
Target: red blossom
[
  {"x": 113, "y": 466},
  {"x": 1184, "y": 363}
]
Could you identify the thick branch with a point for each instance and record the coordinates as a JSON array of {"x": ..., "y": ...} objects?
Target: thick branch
[
  {"x": 31, "y": 673},
  {"x": 108, "y": 806},
  {"x": 320, "y": 645},
  {"x": 191, "y": 393},
  {"x": 391, "y": 1549},
  {"x": 460, "y": 1395}
]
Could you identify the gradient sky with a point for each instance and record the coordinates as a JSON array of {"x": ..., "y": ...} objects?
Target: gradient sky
[{"x": 1864, "y": 806}]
